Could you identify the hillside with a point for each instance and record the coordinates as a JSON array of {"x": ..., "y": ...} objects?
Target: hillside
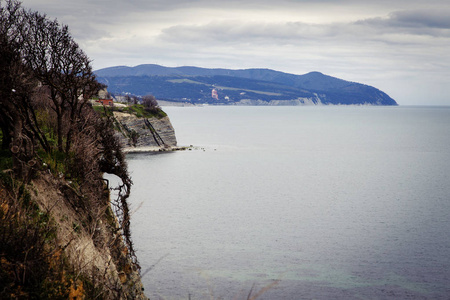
[{"x": 250, "y": 86}]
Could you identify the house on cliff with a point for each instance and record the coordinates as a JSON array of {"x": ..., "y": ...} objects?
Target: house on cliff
[{"x": 106, "y": 102}]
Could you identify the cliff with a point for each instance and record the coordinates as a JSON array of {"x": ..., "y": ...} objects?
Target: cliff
[
  {"x": 144, "y": 133},
  {"x": 62, "y": 235},
  {"x": 62, "y": 242}
]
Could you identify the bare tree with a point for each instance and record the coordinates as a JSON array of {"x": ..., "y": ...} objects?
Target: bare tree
[
  {"x": 12, "y": 120},
  {"x": 17, "y": 116},
  {"x": 45, "y": 82},
  {"x": 58, "y": 63},
  {"x": 150, "y": 103}
]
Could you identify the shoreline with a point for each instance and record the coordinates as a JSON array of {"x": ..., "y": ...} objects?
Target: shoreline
[{"x": 156, "y": 149}]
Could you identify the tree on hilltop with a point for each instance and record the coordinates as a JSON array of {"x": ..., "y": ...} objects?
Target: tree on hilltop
[{"x": 150, "y": 103}]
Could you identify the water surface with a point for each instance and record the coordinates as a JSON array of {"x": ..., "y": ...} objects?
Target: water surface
[{"x": 329, "y": 202}]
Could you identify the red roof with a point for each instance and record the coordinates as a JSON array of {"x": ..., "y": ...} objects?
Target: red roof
[{"x": 106, "y": 101}]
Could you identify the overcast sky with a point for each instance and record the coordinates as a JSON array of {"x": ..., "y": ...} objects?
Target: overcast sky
[{"x": 399, "y": 46}]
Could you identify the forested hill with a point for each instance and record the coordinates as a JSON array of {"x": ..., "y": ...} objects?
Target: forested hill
[{"x": 249, "y": 86}]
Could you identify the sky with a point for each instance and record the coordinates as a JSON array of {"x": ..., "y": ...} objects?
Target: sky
[{"x": 401, "y": 47}]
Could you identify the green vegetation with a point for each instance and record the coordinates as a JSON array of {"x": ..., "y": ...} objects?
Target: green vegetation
[
  {"x": 33, "y": 262},
  {"x": 247, "y": 90},
  {"x": 142, "y": 112},
  {"x": 136, "y": 109},
  {"x": 32, "y": 265},
  {"x": 184, "y": 80},
  {"x": 139, "y": 110},
  {"x": 240, "y": 89},
  {"x": 55, "y": 161},
  {"x": 52, "y": 138},
  {"x": 100, "y": 109},
  {"x": 5, "y": 160}
]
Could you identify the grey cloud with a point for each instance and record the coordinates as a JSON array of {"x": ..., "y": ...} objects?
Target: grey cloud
[
  {"x": 233, "y": 31},
  {"x": 377, "y": 29},
  {"x": 92, "y": 17},
  {"x": 426, "y": 18},
  {"x": 415, "y": 22},
  {"x": 405, "y": 43},
  {"x": 116, "y": 8}
]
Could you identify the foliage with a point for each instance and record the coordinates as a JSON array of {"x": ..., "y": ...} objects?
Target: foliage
[
  {"x": 48, "y": 127},
  {"x": 5, "y": 160},
  {"x": 31, "y": 262},
  {"x": 41, "y": 66},
  {"x": 144, "y": 112},
  {"x": 136, "y": 109},
  {"x": 54, "y": 161}
]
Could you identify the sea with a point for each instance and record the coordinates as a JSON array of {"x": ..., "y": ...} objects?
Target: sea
[{"x": 296, "y": 202}]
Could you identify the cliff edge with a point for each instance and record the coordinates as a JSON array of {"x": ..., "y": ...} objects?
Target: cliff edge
[
  {"x": 144, "y": 133},
  {"x": 63, "y": 242},
  {"x": 62, "y": 235}
]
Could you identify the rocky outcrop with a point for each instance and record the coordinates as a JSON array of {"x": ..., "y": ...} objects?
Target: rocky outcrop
[{"x": 144, "y": 133}]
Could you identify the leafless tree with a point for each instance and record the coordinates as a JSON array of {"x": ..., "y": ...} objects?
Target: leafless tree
[
  {"x": 45, "y": 82},
  {"x": 149, "y": 101},
  {"x": 17, "y": 117},
  {"x": 59, "y": 63}
]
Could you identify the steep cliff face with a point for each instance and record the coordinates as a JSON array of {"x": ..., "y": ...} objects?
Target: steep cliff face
[
  {"x": 58, "y": 242},
  {"x": 92, "y": 246},
  {"x": 144, "y": 133},
  {"x": 62, "y": 235}
]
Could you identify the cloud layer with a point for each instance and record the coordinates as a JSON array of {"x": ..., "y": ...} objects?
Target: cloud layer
[{"x": 398, "y": 47}]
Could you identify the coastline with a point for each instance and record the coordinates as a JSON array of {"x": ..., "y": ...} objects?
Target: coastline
[{"x": 145, "y": 149}]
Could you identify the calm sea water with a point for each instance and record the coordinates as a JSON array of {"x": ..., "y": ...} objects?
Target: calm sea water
[{"x": 299, "y": 202}]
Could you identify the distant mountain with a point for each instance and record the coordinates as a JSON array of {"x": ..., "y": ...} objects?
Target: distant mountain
[{"x": 249, "y": 86}]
